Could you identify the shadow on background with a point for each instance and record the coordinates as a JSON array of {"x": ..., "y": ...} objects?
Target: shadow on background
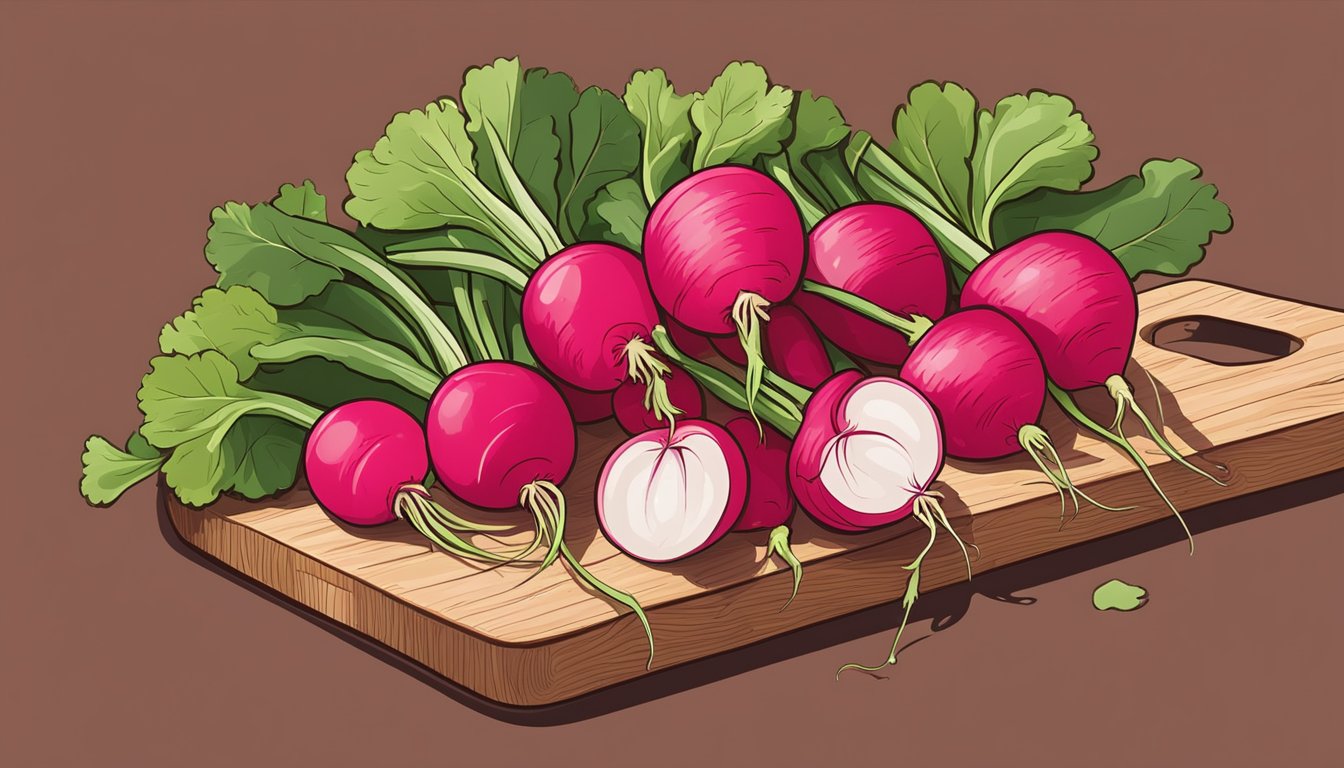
[{"x": 945, "y": 607}]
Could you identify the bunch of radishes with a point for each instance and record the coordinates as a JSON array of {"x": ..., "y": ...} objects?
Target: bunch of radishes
[{"x": 728, "y": 274}]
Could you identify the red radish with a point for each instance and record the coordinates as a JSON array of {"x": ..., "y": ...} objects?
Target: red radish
[
  {"x": 501, "y": 436},
  {"x": 587, "y": 407},
  {"x": 682, "y": 391},
  {"x": 794, "y": 349},
  {"x": 690, "y": 342},
  {"x": 769, "y": 499},
  {"x": 365, "y": 462},
  {"x": 720, "y": 247},
  {"x": 587, "y": 314},
  {"x": 880, "y": 253},
  {"x": 1075, "y": 301},
  {"x": 985, "y": 379},
  {"x": 662, "y": 497},
  {"x": 730, "y": 347}
]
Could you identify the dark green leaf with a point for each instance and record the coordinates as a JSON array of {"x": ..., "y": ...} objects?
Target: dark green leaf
[
  {"x": 604, "y": 147},
  {"x": 254, "y": 247}
]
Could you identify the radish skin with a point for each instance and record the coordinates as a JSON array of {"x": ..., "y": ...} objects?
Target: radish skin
[
  {"x": 720, "y": 247},
  {"x": 501, "y": 437},
  {"x": 769, "y": 499},
  {"x": 587, "y": 407},
  {"x": 794, "y": 349}
]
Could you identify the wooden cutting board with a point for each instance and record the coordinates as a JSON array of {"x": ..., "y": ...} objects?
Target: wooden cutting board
[{"x": 1270, "y": 422}]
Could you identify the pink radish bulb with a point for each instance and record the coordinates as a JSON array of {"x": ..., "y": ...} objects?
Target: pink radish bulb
[
  {"x": 1075, "y": 301},
  {"x": 663, "y": 497},
  {"x": 635, "y": 418},
  {"x": 880, "y": 253},
  {"x": 586, "y": 407},
  {"x": 720, "y": 247},
  {"x": 365, "y": 462},
  {"x": 688, "y": 341},
  {"x": 865, "y": 455},
  {"x": 985, "y": 379},
  {"x": 587, "y": 314},
  {"x": 769, "y": 499},
  {"x": 794, "y": 349},
  {"x": 501, "y": 437},
  {"x": 730, "y": 348}
]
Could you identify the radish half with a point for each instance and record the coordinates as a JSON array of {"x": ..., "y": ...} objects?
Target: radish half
[
  {"x": 587, "y": 314},
  {"x": 662, "y": 497},
  {"x": 365, "y": 462},
  {"x": 501, "y": 437},
  {"x": 769, "y": 499},
  {"x": 720, "y": 247}
]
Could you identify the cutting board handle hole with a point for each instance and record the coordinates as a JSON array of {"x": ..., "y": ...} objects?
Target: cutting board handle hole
[{"x": 1220, "y": 341}]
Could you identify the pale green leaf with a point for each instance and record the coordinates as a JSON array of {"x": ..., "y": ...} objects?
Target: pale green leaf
[
  {"x": 665, "y": 126},
  {"x": 303, "y": 201},
  {"x": 740, "y": 117},
  {"x": 935, "y": 136}
]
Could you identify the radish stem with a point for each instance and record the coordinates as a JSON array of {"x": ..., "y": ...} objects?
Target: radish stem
[
  {"x": 649, "y": 370},
  {"x": 1120, "y": 390},
  {"x": 778, "y": 544},
  {"x": 913, "y": 328}
]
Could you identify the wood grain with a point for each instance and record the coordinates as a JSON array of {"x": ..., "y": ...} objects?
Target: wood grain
[{"x": 549, "y": 639}]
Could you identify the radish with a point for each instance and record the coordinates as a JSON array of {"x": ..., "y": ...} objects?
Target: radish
[
  {"x": 501, "y": 436},
  {"x": 587, "y": 407},
  {"x": 769, "y": 499},
  {"x": 794, "y": 349},
  {"x": 664, "y": 496},
  {"x": 730, "y": 347},
  {"x": 720, "y": 247},
  {"x": 690, "y": 342},
  {"x": 984, "y": 377},
  {"x": 865, "y": 452},
  {"x": 880, "y": 253},
  {"x": 365, "y": 462},
  {"x": 628, "y": 402},
  {"x": 1075, "y": 301},
  {"x": 587, "y": 314}
]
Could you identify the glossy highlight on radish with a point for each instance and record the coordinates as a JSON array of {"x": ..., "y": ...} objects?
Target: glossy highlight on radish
[
  {"x": 770, "y": 501},
  {"x": 501, "y": 437},
  {"x": 587, "y": 313},
  {"x": 720, "y": 247},
  {"x": 365, "y": 462},
  {"x": 662, "y": 497},
  {"x": 880, "y": 253}
]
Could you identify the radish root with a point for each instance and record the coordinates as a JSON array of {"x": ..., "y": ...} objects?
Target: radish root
[
  {"x": 1038, "y": 446},
  {"x": 928, "y": 511},
  {"x": 779, "y": 545},
  {"x": 1123, "y": 395},
  {"x": 643, "y": 367},
  {"x": 441, "y": 527},
  {"x": 748, "y": 315}
]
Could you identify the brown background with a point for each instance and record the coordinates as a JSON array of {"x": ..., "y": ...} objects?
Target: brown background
[{"x": 124, "y": 124}]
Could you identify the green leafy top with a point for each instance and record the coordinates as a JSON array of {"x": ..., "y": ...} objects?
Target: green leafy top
[
  {"x": 935, "y": 135},
  {"x": 665, "y": 125},
  {"x": 303, "y": 201},
  {"x": 740, "y": 117},
  {"x": 1159, "y": 221}
]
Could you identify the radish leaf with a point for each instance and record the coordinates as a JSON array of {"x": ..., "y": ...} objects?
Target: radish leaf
[
  {"x": 935, "y": 136},
  {"x": 1027, "y": 143},
  {"x": 740, "y": 117},
  {"x": 618, "y": 214},
  {"x": 665, "y": 126},
  {"x": 303, "y": 201},
  {"x": 231, "y": 321},
  {"x": 1158, "y": 222},
  {"x": 604, "y": 146},
  {"x": 252, "y": 246},
  {"x": 109, "y": 471}
]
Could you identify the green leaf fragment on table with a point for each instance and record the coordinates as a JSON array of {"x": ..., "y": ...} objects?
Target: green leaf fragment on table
[
  {"x": 740, "y": 117},
  {"x": 935, "y": 137},
  {"x": 1118, "y": 596},
  {"x": 109, "y": 471},
  {"x": 664, "y": 119},
  {"x": 618, "y": 214},
  {"x": 303, "y": 201},
  {"x": 1159, "y": 221},
  {"x": 604, "y": 146},
  {"x": 1027, "y": 142}
]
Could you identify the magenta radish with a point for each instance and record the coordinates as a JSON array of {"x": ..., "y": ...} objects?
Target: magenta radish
[
  {"x": 720, "y": 247},
  {"x": 365, "y": 462},
  {"x": 587, "y": 407},
  {"x": 865, "y": 452},
  {"x": 730, "y": 348},
  {"x": 690, "y": 342},
  {"x": 587, "y": 314},
  {"x": 501, "y": 437},
  {"x": 1075, "y": 301},
  {"x": 794, "y": 349},
  {"x": 664, "y": 496},
  {"x": 884, "y": 255},
  {"x": 769, "y": 502},
  {"x": 984, "y": 377},
  {"x": 682, "y": 391}
]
